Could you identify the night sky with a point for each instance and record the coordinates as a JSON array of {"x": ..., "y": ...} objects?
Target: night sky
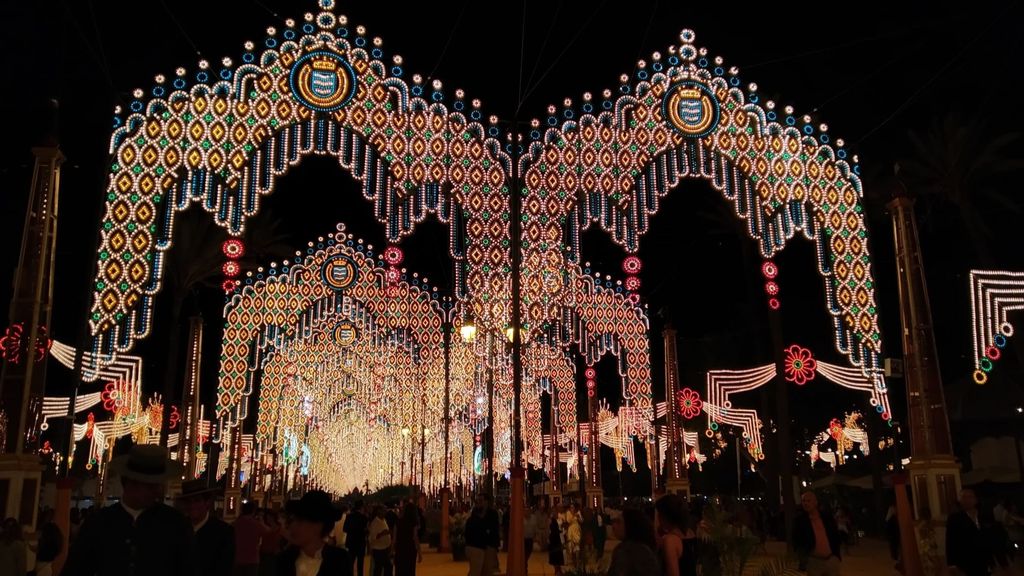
[{"x": 875, "y": 72}]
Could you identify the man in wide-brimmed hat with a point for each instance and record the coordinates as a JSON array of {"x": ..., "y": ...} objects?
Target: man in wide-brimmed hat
[
  {"x": 214, "y": 538},
  {"x": 140, "y": 534},
  {"x": 310, "y": 520}
]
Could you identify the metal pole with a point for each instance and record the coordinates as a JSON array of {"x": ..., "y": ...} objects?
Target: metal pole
[
  {"x": 516, "y": 551},
  {"x": 739, "y": 472},
  {"x": 447, "y": 385},
  {"x": 489, "y": 486}
]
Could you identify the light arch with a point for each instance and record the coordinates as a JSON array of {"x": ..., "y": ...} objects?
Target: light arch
[
  {"x": 611, "y": 160},
  {"x": 222, "y": 142},
  {"x": 295, "y": 297}
]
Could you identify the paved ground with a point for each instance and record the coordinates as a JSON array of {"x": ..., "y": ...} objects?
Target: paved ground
[{"x": 869, "y": 558}]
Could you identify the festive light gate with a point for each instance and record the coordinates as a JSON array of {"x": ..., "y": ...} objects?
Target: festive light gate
[{"x": 221, "y": 135}]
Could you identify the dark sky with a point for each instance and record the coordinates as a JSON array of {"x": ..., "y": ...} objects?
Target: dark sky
[{"x": 872, "y": 71}]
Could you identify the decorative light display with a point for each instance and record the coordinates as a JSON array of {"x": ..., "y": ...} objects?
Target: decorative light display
[
  {"x": 799, "y": 368},
  {"x": 118, "y": 398},
  {"x": 10, "y": 344},
  {"x": 690, "y": 443},
  {"x": 799, "y": 365},
  {"x": 338, "y": 321},
  {"x": 845, "y": 435},
  {"x": 688, "y": 403},
  {"x": 320, "y": 87},
  {"x": 13, "y": 345},
  {"x": 769, "y": 270},
  {"x": 994, "y": 293},
  {"x": 233, "y": 249}
]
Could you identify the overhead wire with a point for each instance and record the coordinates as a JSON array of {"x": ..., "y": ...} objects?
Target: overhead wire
[
  {"x": 938, "y": 74},
  {"x": 181, "y": 28},
  {"x": 579, "y": 32},
  {"x": 553, "y": 22},
  {"x": 448, "y": 42}
]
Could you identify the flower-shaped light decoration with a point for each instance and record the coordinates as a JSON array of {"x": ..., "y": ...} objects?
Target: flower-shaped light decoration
[
  {"x": 231, "y": 268},
  {"x": 393, "y": 255},
  {"x": 769, "y": 269},
  {"x": 632, "y": 283},
  {"x": 800, "y": 365},
  {"x": 233, "y": 248},
  {"x": 632, "y": 265},
  {"x": 116, "y": 397},
  {"x": 835, "y": 430},
  {"x": 43, "y": 343},
  {"x": 10, "y": 343},
  {"x": 689, "y": 403}
]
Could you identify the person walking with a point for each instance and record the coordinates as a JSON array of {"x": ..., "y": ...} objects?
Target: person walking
[
  {"x": 529, "y": 531},
  {"x": 492, "y": 531},
  {"x": 249, "y": 534},
  {"x": 673, "y": 517},
  {"x": 407, "y": 541},
  {"x": 816, "y": 539},
  {"x": 214, "y": 538},
  {"x": 271, "y": 544},
  {"x": 476, "y": 540},
  {"x": 600, "y": 533},
  {"x": 140, "y": 535},
  {"x": 380, "y": 543},
  {"x": 966, "y": 549},
  {"x": 556, "y": 549},
  {"x": 636, "y": 554},
  {"x": 310, "y": 520},
  {"x": 49, "y": 545},
  {"x": 13, "y": 552},
  {"x": 355, "y": 535}
]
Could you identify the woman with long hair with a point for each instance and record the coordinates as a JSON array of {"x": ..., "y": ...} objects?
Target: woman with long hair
[
  {"x": 636, "y": 553},
  {"x": 678, "y": 540},
  {"x": 407, "y": 541}
]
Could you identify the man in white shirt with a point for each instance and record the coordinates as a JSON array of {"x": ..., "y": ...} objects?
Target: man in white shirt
[
  {"x": 379, "y": 535},
  {"x": 337, "y": 536}
]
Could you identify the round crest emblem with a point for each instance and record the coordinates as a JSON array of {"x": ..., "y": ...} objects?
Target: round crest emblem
[
  {"x": 322, "y": 80},
  {"x": 339, "y": 272},
  {"x": 345, "y": 333},
  {"x": 691, "y": 108}
]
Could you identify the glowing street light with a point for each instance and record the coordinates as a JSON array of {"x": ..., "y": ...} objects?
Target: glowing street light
[{"x": 468, "y": 329}]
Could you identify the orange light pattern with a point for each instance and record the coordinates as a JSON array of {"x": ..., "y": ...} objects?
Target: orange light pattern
[{"x": 320, "y": 87}]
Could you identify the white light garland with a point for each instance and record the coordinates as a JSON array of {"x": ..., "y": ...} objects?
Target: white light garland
[{"x": 994, "y": 293}]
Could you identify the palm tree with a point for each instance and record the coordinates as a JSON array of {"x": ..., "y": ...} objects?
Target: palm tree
[
  {"x": 965, "y": 164},
  {"x": 194, "y": 270}
]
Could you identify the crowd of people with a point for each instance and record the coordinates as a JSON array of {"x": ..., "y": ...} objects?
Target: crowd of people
[
  {"x": 311, "y": 536},
  {"x": 316, "y": 536}
]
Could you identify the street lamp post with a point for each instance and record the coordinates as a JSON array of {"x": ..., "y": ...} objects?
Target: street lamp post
[
  {"x": 405, "y": 434},
  {"x": 468, "y": 332},
  {"x": 423, "y": 457}
]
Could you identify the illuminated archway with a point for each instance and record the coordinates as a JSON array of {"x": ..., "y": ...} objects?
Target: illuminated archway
[{"x": 320, "y": 86}]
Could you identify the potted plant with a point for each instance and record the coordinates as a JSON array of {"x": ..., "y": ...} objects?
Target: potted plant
[{"x": 725, "y": 546}]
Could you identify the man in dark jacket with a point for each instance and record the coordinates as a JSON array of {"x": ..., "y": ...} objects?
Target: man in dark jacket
[
  {"x": 966, "y": 548},
  {"x": 214, "y": 538},
  {"x": 355, "y": 527},
  {"x": 816, "y": 539},
  {"x": 310, "y": 520},
  {"x": 140, "y": 535}
]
